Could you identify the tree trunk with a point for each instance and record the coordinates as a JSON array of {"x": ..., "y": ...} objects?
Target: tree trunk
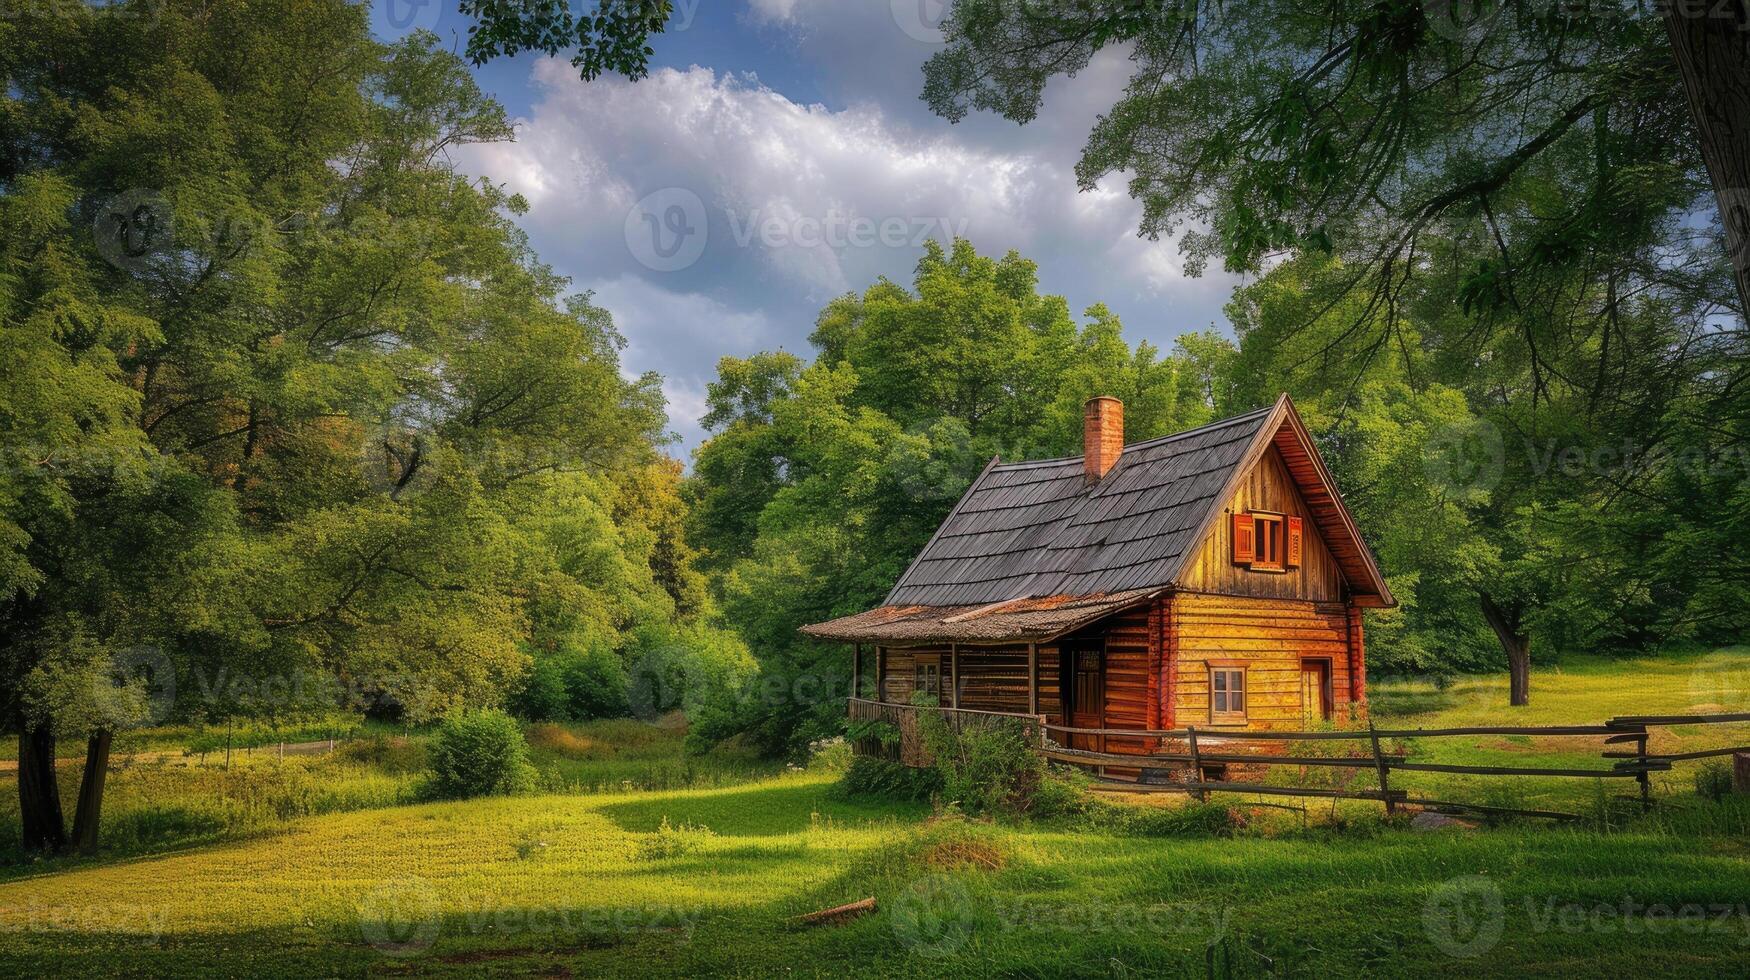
[
  {"x": 1710, "y": 40},
  {"x": 1511, "y": 632},
  {"x": 39, "y": 795},
  {"x": 91, "y": 792}
]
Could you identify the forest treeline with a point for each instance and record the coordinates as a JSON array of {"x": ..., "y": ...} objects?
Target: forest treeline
[{"x": 294, "y": 419}]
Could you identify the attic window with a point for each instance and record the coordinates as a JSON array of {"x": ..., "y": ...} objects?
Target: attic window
[{"x": 1267, "y": 542}]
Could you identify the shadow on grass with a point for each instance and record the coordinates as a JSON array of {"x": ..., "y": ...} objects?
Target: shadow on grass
[{"x": 758, "y": 811}]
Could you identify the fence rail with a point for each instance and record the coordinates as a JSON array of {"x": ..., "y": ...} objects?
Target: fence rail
[{"x": 1631, "y": 729}]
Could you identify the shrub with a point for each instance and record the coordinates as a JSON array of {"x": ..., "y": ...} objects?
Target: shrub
[
  {"x": 479, "y": 753},
  {"x": 869, "y": 776},
  {"x": 573, "y": 684},
  {"x": 674, "y": 841},
  {"x": 986, "y": 767},
  {"x": 1714, "y": 780}
]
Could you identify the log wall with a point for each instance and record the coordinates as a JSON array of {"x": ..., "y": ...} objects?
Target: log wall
[{"x": 1269, "y": 638}]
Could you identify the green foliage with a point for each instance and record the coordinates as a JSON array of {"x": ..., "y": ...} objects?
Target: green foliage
[
  {"x": 671, "y": 841},
  {"x": 479, "y": 753},
  {"x": 987, "y": 767},
  {"x": 293, "y": 420},
  {"x": 1714, "y": 780},
  {"x": 821, "y": 481},
  {"x": 880, "y": 778},
  {"x": 570, "y": 684},
  {"x": 879, "y": 730}
]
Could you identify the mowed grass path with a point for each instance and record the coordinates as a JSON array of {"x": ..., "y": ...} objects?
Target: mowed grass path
[{"x": 595, "y": 885}]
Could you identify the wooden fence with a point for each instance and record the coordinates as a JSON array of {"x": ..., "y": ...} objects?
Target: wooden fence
[{"x": 1206, "y": 748}]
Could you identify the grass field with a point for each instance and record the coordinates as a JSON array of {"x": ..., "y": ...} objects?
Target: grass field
[{"x": 678, "y": 881}]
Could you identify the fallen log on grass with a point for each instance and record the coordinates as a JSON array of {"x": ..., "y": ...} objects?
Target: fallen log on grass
[{"x": 842, "y": 913}]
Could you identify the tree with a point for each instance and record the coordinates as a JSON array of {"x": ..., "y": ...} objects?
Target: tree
[
  {"x": 607, "y": 35},
  {"x": 288, "y": 403},
  {"x": 820, "y": 482},
  {"x": 1363, "y": 126}
]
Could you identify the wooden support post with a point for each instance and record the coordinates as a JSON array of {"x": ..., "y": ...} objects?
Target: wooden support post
[
  {"x": 1033, "y": 678},
  {"x": 953, "y": 675},
  {"x": 856, "y": 670},
  {"x": 1741, "y": 772},
  {"x": 1643, "y": 777},
  {"x": 1196, "y": 763},
  {"x": 881, "y": 673},
  {"x": 1379, "y": 763}
]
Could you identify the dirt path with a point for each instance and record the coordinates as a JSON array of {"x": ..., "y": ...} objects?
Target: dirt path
[{"x": 159, "y": 755}]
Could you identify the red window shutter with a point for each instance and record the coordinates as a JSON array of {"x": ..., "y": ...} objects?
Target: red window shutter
[
  {"x": 1294, "y": 542},
  {"x": 1245, "y": 540}
]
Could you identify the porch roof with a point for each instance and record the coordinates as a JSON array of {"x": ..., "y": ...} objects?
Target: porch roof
[{"x": 1026, "y": 620}]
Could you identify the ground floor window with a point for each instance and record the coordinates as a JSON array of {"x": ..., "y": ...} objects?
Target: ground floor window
[{"x": 1227, "y": 694}]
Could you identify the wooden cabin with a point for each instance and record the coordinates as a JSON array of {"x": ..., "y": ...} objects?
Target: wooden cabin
[{"x": 1213, "y": 578}]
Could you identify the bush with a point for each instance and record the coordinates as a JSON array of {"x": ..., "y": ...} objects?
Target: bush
[
  {"x": 1714, "y": 780},
  {"x": 573, "y": 684},
  {"x": 869, "y": 776},
  {"x": 986, "y": 767},
  {"x": 674, "y": 841},
  {"x": 479, "y": 753}
]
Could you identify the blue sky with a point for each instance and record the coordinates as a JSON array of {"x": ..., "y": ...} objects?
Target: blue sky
[{"x": 777, "y": 156}]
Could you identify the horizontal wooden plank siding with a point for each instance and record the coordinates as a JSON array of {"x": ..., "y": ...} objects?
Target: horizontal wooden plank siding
[
  {"x": 993, "y": 678},
  {"x": 1269, "y": 639}
]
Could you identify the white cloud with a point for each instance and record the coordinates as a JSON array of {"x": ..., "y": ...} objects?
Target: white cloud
[{"x": 802, "y": 202}]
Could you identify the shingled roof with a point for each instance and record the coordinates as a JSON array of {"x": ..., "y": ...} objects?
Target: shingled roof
[{"x": 1041, "y": 531}]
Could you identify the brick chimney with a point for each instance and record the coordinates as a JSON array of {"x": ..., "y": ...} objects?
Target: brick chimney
[{"x": 1102, "y": 435}]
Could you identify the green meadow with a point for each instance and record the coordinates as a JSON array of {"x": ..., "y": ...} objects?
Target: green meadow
[{"x": 635, "y": 859}]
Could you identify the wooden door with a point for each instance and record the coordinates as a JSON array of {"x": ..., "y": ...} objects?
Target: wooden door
[
  {"x": 1085, "y": 680},
  {"x": 1315, "y": 692}
]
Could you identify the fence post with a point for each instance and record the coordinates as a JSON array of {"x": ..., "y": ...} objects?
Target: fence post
[
  {"x": 1643, "y": 777},
  {"x": 1379, "y": 762},
  {"x": 1196, "y": 764}
]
